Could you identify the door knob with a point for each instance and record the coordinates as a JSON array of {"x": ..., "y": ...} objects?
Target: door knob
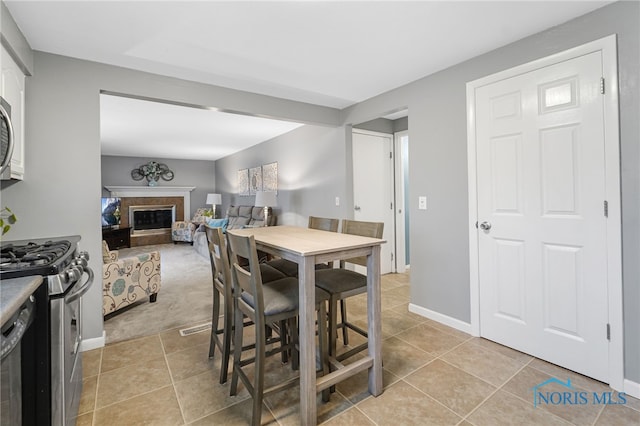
[
  {"x": 357, "y": 208},
  {"x": 485, "y": 226}
]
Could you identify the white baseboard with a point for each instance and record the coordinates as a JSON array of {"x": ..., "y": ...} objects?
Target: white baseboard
[
  {"x": 632, "y": 388},
  {"x": 95, "y": 343},
  {"x": 441, "y": 318}
]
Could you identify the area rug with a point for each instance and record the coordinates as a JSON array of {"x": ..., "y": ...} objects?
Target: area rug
[{"x": 184, "y": 299}]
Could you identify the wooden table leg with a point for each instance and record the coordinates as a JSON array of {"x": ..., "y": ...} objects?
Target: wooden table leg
[
  {"x": 307, "y": 278},
  {"x": 374, "y": 302}
]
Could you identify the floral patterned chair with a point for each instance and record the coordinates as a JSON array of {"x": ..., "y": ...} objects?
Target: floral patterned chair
[
  {"x": 128, "y": 280},
  {"x": 184, "y": 231}
]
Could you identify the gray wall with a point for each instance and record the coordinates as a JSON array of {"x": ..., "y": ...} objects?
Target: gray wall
[
  {"x": 438, "y": 159},
  {"x": 199, "y": 173},
  {"x": 384, "y": 125},
  {"x": 61, "y": 192},
  {"x": 312, "y": 172}
]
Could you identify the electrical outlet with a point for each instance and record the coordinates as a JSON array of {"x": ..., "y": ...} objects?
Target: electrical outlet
[
  {"x": 422, "y": 202},
  {"x": 337, "y": 201}
]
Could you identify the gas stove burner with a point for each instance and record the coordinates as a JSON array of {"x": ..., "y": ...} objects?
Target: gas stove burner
[
  {"x": 38, "y": 257},
  {"x": 30, "y": 252}
]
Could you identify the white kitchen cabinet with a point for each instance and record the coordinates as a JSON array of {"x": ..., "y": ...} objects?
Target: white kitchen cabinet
[{"x": 12, "y": 84}]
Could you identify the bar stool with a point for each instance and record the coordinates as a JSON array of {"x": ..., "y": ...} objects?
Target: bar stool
[
  {"x": 265, "y": 304},
  {"x": 342, "y": 283},
  {"x": 222, "y": 286}
]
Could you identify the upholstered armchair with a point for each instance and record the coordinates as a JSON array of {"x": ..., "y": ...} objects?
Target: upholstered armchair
[
  {"x": 128, "y": 280},
  {"x": 184, "y": 231}
]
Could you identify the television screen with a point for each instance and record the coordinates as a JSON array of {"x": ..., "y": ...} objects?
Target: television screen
[{"x": 110, "y": 211}]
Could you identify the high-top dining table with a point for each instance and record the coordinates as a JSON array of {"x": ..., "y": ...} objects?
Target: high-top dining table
[{"x": 307, "y": 247}]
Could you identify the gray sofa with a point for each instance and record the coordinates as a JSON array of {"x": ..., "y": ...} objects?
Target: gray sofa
[{"x": 238, "y": 217}]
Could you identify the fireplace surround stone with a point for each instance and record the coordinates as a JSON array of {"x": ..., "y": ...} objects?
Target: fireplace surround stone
[{"x": 152, "y": 196}]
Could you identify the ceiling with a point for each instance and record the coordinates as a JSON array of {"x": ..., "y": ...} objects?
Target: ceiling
[
  {"x": 141, "y": 128},
  {"x": 330, "y": 53}
]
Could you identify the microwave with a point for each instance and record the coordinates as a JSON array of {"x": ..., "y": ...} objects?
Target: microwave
[{"x": 6, "y": 139}]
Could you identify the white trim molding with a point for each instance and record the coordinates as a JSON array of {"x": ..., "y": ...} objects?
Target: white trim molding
[
  {"x": 441, "y": 318},
  {"x": 607, "y": 47},
  {"x": 155, "y": 191},
  {"x": 95, "y": 343},
  {"x": 632, "y": 388}
]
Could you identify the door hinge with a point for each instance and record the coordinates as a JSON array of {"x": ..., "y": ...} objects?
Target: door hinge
[
  {"x": 391, "y": 206},
  {"x": 609, "y": 332},
  {"x": 390, "y": 154},
  {"x": 392, "y": 257},
  {"x": 602, "y": 85},
  {"x": 606, "y": 208}
]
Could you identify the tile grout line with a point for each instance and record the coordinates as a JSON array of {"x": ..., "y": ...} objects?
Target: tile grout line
[
  {"x": 595, "y": 421},
  {"x": 498, "y": 388},
  {"x": 439, "y": 357},
  {"x": 434, "y": 400},
  {"x": 95, "y": 397},
  {"x": 173, "y": 384},
  {"x": 529, "y": 402}
]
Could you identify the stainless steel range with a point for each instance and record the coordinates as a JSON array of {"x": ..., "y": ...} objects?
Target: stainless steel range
[{"x": 58, "y": 371}]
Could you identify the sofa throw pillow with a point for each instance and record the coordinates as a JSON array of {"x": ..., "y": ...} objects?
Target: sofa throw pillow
[{"x": 219, "y": 223}]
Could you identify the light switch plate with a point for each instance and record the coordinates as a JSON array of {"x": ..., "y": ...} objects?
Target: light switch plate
[
  {"x": 337, "y": 201},
  {"x": 422, "y": 202}
]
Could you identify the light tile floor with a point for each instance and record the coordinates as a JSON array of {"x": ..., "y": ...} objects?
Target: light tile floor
[{"x": 433, "y": 375}]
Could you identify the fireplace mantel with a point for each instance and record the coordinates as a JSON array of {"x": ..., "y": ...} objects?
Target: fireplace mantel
[{"x": 155, "y": 191}]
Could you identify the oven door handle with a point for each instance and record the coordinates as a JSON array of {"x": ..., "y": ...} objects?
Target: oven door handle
[{"x": 82, "y": 290}]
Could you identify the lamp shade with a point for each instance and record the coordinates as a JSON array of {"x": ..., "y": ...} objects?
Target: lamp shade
[
  {"x": 266, "y": 199},
  {"x": 214, "y": 199}
]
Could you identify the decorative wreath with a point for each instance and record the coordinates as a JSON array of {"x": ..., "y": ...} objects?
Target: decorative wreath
[{"x": 152, "y": 171}]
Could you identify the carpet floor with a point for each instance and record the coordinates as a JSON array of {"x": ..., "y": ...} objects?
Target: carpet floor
[{"x": 184, "y": 299}]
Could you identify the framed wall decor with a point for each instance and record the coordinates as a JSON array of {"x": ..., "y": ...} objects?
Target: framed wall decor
[
  {"x": 270, "y": 177},
  {"x": 255, "y": 180},
  {"x": 243, "y": 182}
]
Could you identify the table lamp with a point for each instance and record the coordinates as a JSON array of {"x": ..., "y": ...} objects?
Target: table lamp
[
  {"x": 266, "y": 199},
  {"x": 214, "y": 199}
]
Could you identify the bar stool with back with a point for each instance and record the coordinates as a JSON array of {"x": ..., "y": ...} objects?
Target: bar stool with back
[
  {"x": 342, "y": 283},
  {"x": 266, "y": 304}
]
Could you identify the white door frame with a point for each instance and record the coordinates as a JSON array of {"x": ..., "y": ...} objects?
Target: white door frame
[
  {"x": 399, "y": 198},
  {"x": 607, "y": 46}
]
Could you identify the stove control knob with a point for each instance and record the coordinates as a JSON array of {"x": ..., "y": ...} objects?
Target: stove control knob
[
  {"x": 84, "y": 255},
  {"x": 80, "y": 262},
  {"x": 73, "y": 274}
]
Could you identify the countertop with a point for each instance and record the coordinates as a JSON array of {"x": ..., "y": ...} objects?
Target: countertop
[{"x": 14, "y": 292}]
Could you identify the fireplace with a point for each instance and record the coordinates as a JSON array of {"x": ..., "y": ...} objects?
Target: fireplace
[
  {"x": 151, "y": 219},
  {"x": 153, "y": 197}
]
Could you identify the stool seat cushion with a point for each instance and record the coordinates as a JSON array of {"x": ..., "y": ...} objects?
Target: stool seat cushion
[
  {"x": 282, "y": 296},
  {"x": 289, "y": 268},
  {"x": 340, "y": 280},
  {"x": 270, "y": 273}
]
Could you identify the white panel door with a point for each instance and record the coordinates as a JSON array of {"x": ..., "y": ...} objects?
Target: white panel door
[
  {"x": 541, "y": 192},
  {"x": 373, "y": 188}
]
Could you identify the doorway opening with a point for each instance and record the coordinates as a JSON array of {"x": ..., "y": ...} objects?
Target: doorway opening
[{"x": 381, "y": 150}]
